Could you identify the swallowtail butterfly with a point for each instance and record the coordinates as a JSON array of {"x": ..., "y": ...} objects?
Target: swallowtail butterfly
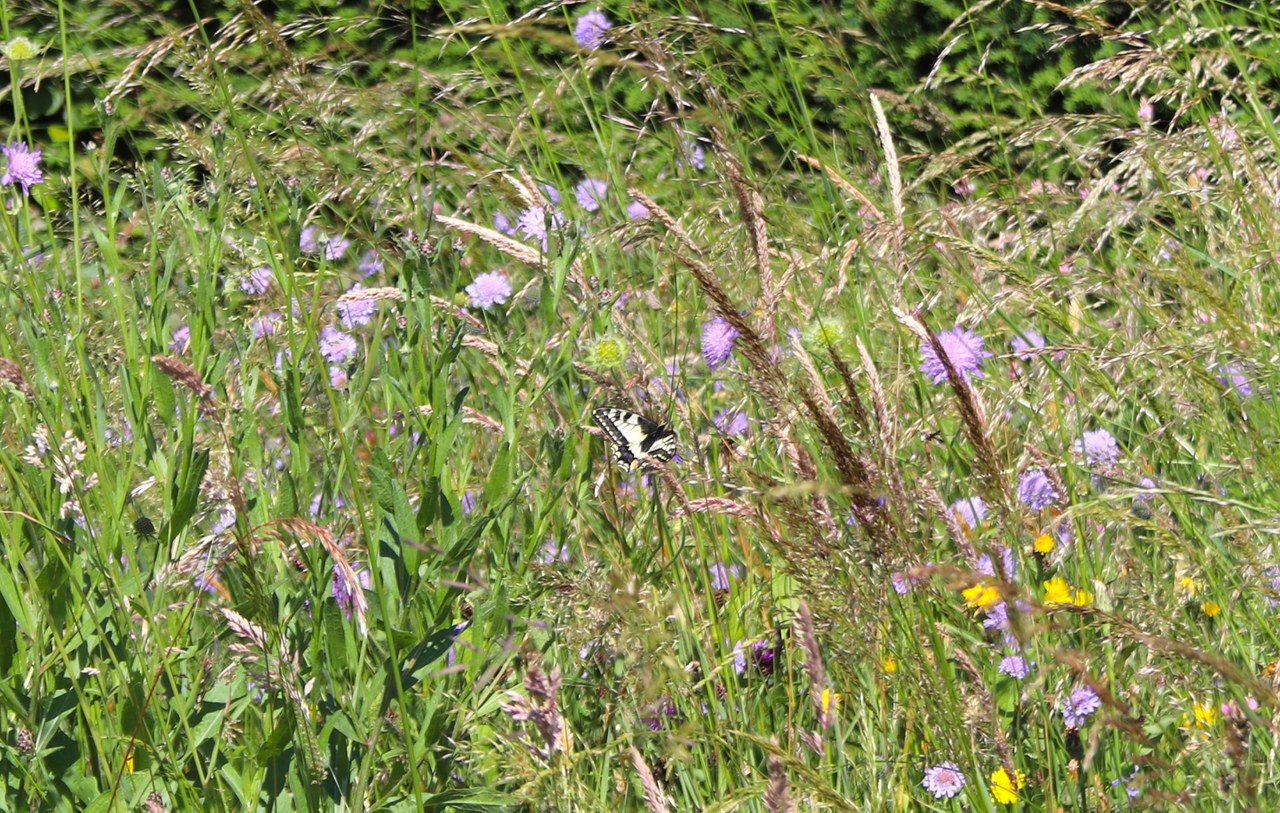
[{"x": 634, "y": 436}]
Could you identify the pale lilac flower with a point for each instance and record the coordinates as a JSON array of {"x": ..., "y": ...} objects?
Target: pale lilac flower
[
  {"x": 718, "y": 339},
  {"x": 338, "y": 378},
  {"x": 335, "y": 247},
  {"x": 694, "y": 155},
  {"x": 1098, "y": 447},
  {"x": 731, "y": 422},
  {"x": 637, "y": 210},
  {"x": 370, "y": 263},
  {"x": 1015, "y": 666},
  {"x": 503, "y": 224},
  {"x": 553, "y": 552},
  {"x": 468, "y": 502},
  {"x": 551, "y": 192},
  {"x": 1082, "y": 702},
  {"x": 336, "y": 346},
  {"x": 310, "y": 239},
  {"x": 344, "y": 592},
  {"x": 1231, "y": 376},
  {"x": 591, "y": 193},
  {"x": 22, "y": 166},
  {"x": 1146, "y": 111},
  {"x": 1026, "y": 343},
  {"x": 489, "y": 289},
  {"x": 258, "y": 281},
  {"x": 1036, "y": 491},
  {"x": 589, "y": 32},
  {"x": 353, "y": 312},
  {"x": 266, "y": 325},
  {"x": 944, "y": 780},
  {"x": 722, "y": 575},
  {"x": 181, "y": 340},
  {"x": 901, "y": 582},
  {"x": 739, "y": 658},
  {"x": 970, "y": 511},
  {"x": 964, "y": 187},
  {"x": 986, "y": 567},
  {"x": 536, "y": 223},
  {"x": 963, "y": 348}
]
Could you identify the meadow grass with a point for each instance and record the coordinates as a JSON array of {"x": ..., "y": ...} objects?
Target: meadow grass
[{"x": 303, "y": 508}]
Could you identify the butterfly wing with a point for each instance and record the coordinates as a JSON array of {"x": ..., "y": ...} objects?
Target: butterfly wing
[{"x": 634, "y": 436}]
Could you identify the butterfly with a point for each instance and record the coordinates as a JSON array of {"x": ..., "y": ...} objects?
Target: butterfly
[{"x": 634, "y": 436}]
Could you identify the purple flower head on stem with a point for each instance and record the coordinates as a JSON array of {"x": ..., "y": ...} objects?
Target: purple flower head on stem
[
  {"x": 370, "y": 263},
  {"x": 344, "y": 592},
  {"x": 503, "y": 224},
  {"x": 1026, "y": 343},
  {"x": 637, "y": 210},
  {"x": 265, "y": 325},
  {"x": 310, "y": 239},
  {"x": 258, "y": 281},
  {"x": 22, "y": 166},
  {"x": 335, "y": 247},
  {"x": 336, "y": 346},
  {"x": 943, "y": 780},
  {"x": 591, "y": 29},
  {"x": 591, "y": 193},
  {"x": 718, "y": 340},
  {"x": 354, "y": 312},
  {"x": 722, "y": 575},
  {"x": 970, "y": 511},
  {"x": 181, "y": 340},
  {"x": 732, "y": 422},
  {"x": 1098, "y": 447},
  {"x": 963, "y": 348},
  {"x": 489, "y": 289},
  {"x": 1036, "y": 491},
  {"x": 1015, "y": 666},
  {"x": 1231, "y": 376},
  {"x": 1082, "y": 702}
]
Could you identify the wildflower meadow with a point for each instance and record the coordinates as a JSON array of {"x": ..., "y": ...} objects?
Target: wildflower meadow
[{"x": 686, "y": 406}]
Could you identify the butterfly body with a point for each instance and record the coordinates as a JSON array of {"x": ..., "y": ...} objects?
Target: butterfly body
[{"x": 635, "y": 437}]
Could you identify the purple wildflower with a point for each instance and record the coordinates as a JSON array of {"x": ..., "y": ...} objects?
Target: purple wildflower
[
  {"x": 335, "y": 247},
  {"x": 1098, "y": 447},
  {"x": 944, "y": 780},
  {"x": 338, "y": 378},
  {"x": 1015, "y": 666},
  {"x": 353, "y": 312},
  {"x": 964, "y": 187},
  {"x": 265, "y": 325},
  {"x": 258, "y": 281},
  {"x": 22, "y": 166},
  {"x": 468, "y": 502},
  {"x": 637, "y": 210},
  {"x": 1273, "y": 584},
  {"x": 963, "y": 348},
  {"x": 1026, "y": 343},
  {"x": 336, "y": 346},
  {"x": 1082, "y": 702},
  {"x": 718, "y": 339},
  {"x": 739, "y": 659},
  {"x": 590, "y": 193},
  {"x": 536, "y": 224},
  {"x": 986, "y": 567},
  {"x": 344, "y": 592},
  {"x": 970, "y": 511},
  {"x": 553, "y": 552},
  {"x": 657, "y": 716},
  {"x": 694, "y": 155},
  {"x": 503, "y": 224},
  {"x": 1231, "y": 376},
  {"x": 551, "y": 192},
  {"x": 1036, "y": 491},
  {"x": 722, "y": 575},
  {"x": 901, "y": 582},
  {"x": 732, "y": 422},
  {"x": 489, "y": 289},
  {"x": 589, "y": 32},
  {"x": 310, "y": 239},
  {"x": 763, "y": 657},
  {"x": 370, "y": 263},
  {"x": 181, "y": 340}
]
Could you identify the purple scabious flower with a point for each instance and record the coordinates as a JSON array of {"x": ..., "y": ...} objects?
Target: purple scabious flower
[
  {"x": 353, "y": 312},
  {"x": 970, "y": 511},
  {"x": 551, "y": 192},
  {"x": 1036, "y": 491},
  {"x": 489, "y": 289},
  {"x": 986, "y": 567},
  {"x": 265, "y": 325},
  {"x": 503, "y": 224},
  {"x": 901, "y": 582},
  {"x": 335, "y": 247},
  {"x": 739, "y": 658},
  {"x": 943, "y": 780},
  {"x": 370, "y": 263},
  {"x": 732, "y": 422},
  {"x": 1026, "y": 343},
  {"x": 637, "y": 210},
  {"x": 338, "y": 378},
  {"x": 181, "y": 340},
  {"x": 590, "y": 193},
  {"x": 553, "y": 552},
  {"x": 694, "y": 155},
  {"x": 718, "y": 339},
  {"x": 1231, "y": 376},
  {"x": 589, "y": 32},
  {"x": 764, "y": 656},
  {"x": 536, "y": 224},
  {"x": 1273, "y": 584},
  {"x": 468, "y": 502},
  {"x": 258, "y": 281},
  {"x": 344, "y": 592},
  {"x": 22, "y": 166},
  {"x": 310, "y": 239},
  {"x": 1082, "y": 702},
  {"x": 1098, "y": 447},
  {"x": 722, "y": 575},
  {"x": 963, "y": 348},
  {"x": 1015, "y": 666},
  {"x": 336, "y": 346}
]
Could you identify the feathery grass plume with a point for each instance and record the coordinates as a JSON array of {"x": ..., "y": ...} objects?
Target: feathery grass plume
[
  {"x": 303, "y": 529},
  {"x": 986, "y": 704},
  {"x": 186, "y": 375},
  {"x": 751, "y": 207},
  {"x": 542, "y": 708},
  {"x": 845, "y": 185},
  {"x": 777, "y": 796},
  {"x": 934, "y": 500},
  {"x": 654, "y": 797},
  {"x": 885, "y": 427},
  {"x": 972, "y": 415},
  {"x": 819, "y": 685},
  {"x": 12, "y": 373}
]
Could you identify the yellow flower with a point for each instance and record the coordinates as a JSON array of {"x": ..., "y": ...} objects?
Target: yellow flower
[
  {"x": 1057, "y": 591},
  {"x": 1205, "y": 715},
  {"x": 890, "y": 665},
  {"x": 608, "y": 353},
  {"x": 981, "y": 596},
  {"x": 1211, "y": 608},
  {"x": 1005, "y": 789},
  {"x": 1190, "y": 586},
  {"x": 1043, "y": 544},
  {"x": 830, "y": 701}
]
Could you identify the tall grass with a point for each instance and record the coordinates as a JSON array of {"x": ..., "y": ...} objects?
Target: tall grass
[{"x": 274, "y": 541}]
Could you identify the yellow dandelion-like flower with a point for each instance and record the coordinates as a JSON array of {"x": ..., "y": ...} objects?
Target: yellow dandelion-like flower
[
  {"x": 889, "y": 665},
  {"x": 1211, "y": 608},
  {"x": 1004, "y": 789},
  {"x": 1189, "y": 586},
  {"x": 1205, "y": 715},
  {"x": 830, "y": 701},
  {"x": 1057, "y": 591},
  {"x": 607, "y": 353},
  {"x": 19, "y": 48},
  {"x": 1082, "y": 598},
  {"x": 981, "y": 596},
  {"x": 1044, "y": 544}
]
